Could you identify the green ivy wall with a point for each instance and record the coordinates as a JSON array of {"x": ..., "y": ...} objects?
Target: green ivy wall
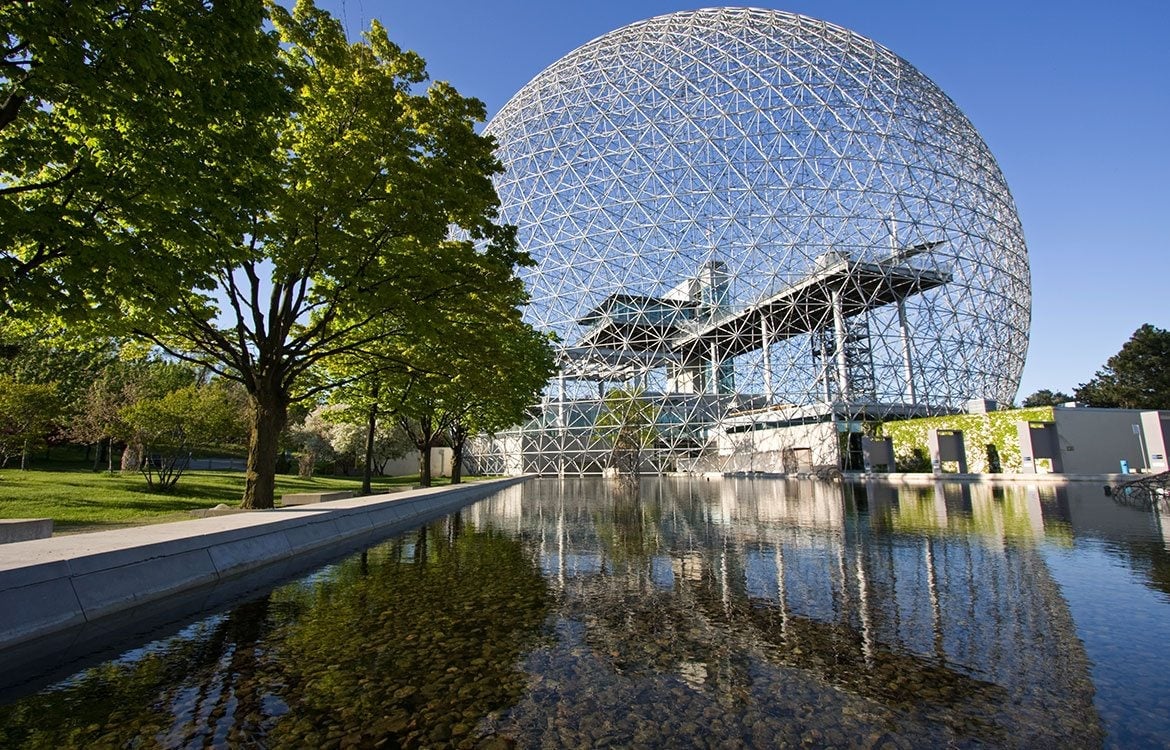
[{"x": 996, "y": 428}]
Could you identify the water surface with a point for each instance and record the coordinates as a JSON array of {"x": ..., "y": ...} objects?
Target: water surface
[{"x": 732, "y": 613}]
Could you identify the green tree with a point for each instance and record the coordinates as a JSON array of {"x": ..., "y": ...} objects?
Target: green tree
[
  {"x": 313, "y": 439},
  {"x": 1137, "y": 377},
  {"x": 510, "y": 366},
  {"x": 627, "y": 422},
  {"x": 101, "y": 413},
  {"x": 126, "y": 132},
  {"x": 169, "y": 426},
  {"x": 66, "y": 365},
  {"x": 29, "y": 412},
  {"x": 476, "y": 372},
  {"x": 422, "y": 416},
  {"x": 1045, "y": 397},
  {"x": 374, "y": 173}
]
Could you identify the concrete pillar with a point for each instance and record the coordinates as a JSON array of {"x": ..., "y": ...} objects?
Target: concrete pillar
[
  {"x": 765, "y": 336},
  {"x": 1155, "y": 429},
  {"x": 714, "y": 369},
  {"x": 877, "y": 452},
  {"x": 946, "y": 445},
  {"x": 1027, "y": 453},
  {"x": 561, "y": 424},
  {"x": 1038, "y": 440},
  {"x": 825, "y": 372},
  {"x": 839, "y": 332},
  {"x": 907, "y": 352}
]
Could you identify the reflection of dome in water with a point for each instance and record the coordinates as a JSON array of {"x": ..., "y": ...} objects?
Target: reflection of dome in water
[{"x": 750, "y": 203}]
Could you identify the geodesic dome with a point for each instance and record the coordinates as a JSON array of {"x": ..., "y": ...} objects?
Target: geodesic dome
[{"x": 742, "y": 211}]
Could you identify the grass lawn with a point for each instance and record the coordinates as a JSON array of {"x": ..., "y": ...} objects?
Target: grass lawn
[{"x": 81, "y": 500}]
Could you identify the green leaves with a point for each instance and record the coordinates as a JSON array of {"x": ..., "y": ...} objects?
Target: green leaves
[
  {"x": 1137, "y": 377},
  {"x": 131, "y": 150},
  {"x": 28, "y": 413}
]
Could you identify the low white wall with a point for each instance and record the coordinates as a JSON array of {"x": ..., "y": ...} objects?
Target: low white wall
[
  {"x": 409, "y": 464},
  {"x": 819, "y": 438}
]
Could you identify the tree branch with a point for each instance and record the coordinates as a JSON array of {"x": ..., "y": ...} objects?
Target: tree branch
[{"x": 16, "y": 189}]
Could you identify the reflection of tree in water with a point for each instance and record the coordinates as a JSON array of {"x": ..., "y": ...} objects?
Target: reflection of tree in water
[
  {"x": 418, "y": 652},
  {"x": 197, "y": 688},
  {"x": 936, "y": 637},
  {"x": 627, "y": 524},
  {"x": 399, "y": 646}
]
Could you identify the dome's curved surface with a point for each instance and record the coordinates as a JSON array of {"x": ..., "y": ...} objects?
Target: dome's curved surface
[{"x": 767, "y": 208}]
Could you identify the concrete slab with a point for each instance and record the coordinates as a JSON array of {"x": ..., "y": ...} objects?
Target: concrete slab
[
  {"x": 24, "y": 529},
  {"x": 310, "y": 536},
  {"x": 34, "y": 572},
  {"x": 350, "y": 524},
  {"x": 44, "y": 606},
  {"x": 307, "y": 498},
  {"x": 104, "y": 591},
  {"x": 239, "y": 555},
  {"x": 389, "y": 514}
]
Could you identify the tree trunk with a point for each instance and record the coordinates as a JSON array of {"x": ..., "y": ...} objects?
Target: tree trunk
[
  {"x": 458, "y": 440},
  {"x": 457, "y": 463},
  {"x": 269, "y": 414},
  {"x": 424, "y": 463},
  {"x": 24, "y": 456},
  {"x": 368, "y": 467},
  {"x": 132, "y": 457},
  {"x": 110, "y": 456}
]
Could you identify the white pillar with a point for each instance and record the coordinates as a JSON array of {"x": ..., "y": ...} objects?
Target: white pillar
[
  {"x": 868, "y": 642},
  {"x": 935, "y": 603},
  {"x": 781, "y": 589},
  {"x": 561, "y": 535},
  {"x": 825, "y": 370},
  {"x": 842, "y": 362},
  {"x": 714, "y": 369},
  {"x": 561, "y": 423},
  {"x": 907, "y": 352},
  {"x": 765, "y": 335}
]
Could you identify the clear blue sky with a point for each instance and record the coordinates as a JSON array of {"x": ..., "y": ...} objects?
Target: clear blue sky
[{"x": 1072, "y": 96}]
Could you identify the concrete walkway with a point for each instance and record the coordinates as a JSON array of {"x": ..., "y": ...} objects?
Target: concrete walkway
[{"x": 49, "y": 585}]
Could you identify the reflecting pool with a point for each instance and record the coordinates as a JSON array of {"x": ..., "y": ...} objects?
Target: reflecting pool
[{"x": 683, "y": 613}]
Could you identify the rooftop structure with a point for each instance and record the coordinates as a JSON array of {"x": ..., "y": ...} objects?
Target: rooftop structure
[{"x": 740, "y": 211}]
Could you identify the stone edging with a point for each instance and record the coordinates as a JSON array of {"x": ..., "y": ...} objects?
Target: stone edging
[{"x": 49, "y": 585}]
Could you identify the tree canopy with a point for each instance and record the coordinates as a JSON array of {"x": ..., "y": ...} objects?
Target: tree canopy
[
  {"x": 1045, "y": 397},
  {"x": 127, "y": 130},
  {"x": 244, "y": 187},
  {"x": 354, "y": 242},
  {"x": 1137, "y": 377},
  {"x": 628, "y": 422},
  {"x": 488, "y": 370}
]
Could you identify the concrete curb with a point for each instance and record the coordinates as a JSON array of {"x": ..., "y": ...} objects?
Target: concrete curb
[
  {"x": 1008, "y": 479},
  {"x": 860, "y": 477},
  {"x": 24, "y": 529},
  {"x": 49, "y": 585}
]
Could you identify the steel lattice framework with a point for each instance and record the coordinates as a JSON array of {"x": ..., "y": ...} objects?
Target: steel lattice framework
[{"x": 747, "y": 217}]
